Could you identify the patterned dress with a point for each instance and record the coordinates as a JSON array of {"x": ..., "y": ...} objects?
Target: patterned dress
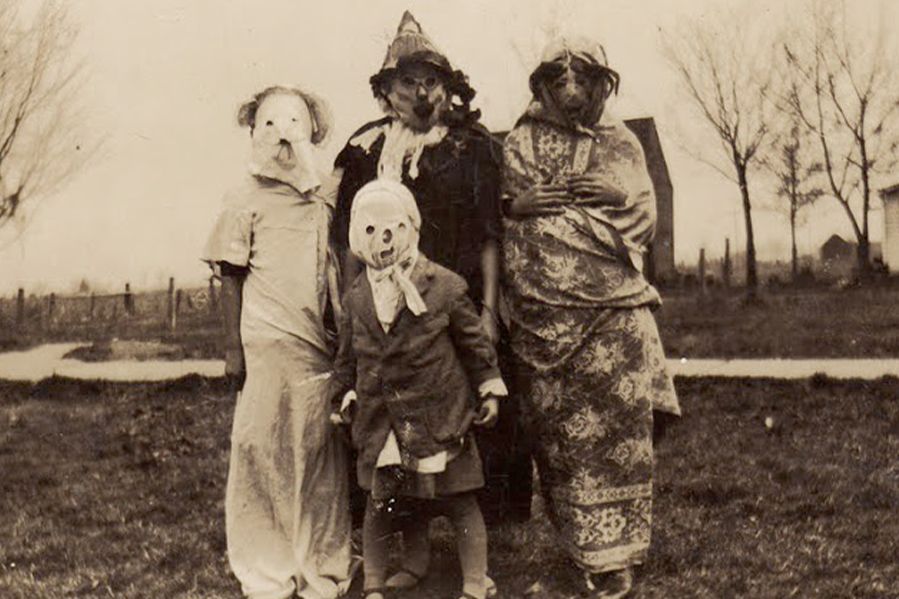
[{"x": 592, "y": 368}]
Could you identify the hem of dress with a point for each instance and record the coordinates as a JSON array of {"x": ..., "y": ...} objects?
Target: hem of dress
[{"x": 609, "y": 560}]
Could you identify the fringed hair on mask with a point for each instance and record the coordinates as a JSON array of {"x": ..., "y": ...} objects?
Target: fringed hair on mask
[
  {"x": 548, "y": 71},
  {"x": 318, "y": 110},
  {"x": 458, "y": 89}
]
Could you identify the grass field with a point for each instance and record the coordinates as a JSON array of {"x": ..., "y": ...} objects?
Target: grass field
[
  {"x": 115, "y": 490},
  {"x": 788, "y": 323},
  {"x": 785, "y": 323}
]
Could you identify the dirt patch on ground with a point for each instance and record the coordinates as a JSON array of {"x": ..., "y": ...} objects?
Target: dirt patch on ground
[{"x": 105, "y": 351}]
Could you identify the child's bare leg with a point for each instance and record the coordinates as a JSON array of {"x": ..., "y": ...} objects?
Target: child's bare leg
[
  {"x": 376, "y": 532},
  {"x": 471, "y": 540}
]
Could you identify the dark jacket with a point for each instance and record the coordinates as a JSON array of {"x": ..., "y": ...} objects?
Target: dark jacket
[
  {"x": 420, "y": 379},
  {"x": 457, "y": 191}
]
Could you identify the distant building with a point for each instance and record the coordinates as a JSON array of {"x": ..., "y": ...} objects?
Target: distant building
[
  {"x": 660, "y": 263},
  {"x": 837, "y": 249},
  {"x": 839, "y": 257},
  {"x": 890, "y": 196}
]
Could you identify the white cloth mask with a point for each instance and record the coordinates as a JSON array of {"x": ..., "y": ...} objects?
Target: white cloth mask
[
  {"x": 282, "y": 146},
  {"x": 384, "y": 231}
]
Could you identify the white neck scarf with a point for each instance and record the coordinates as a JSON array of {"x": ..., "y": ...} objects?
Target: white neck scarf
[
  {"x": 403, "y": 144},
  {"x": 391, "y": 285}
]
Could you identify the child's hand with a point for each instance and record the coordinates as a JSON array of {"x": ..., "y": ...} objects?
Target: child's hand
[
  {"x": 489, "y": 413},
  {"x": 345, "y": 414}
]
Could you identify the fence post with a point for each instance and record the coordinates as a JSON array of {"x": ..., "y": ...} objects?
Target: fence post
[
  {"x": 93, "y": 306},
  {"x": 51, "y": 308},
  {"x": 20, "y": 307},
  {"x": 727, "y": 268},
  {"x": 174, "y": 323},
  {"x": 702, "y": 289},
  {"x": 213, "y": 303},
  {"x": 129, "y": 300},
  {"x": 170, "y": 305}
]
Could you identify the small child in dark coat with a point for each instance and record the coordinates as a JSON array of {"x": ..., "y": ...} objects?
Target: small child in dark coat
[{"x": 412, "y": 359}]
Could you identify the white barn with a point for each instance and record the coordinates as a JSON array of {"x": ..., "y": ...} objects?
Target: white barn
[{"x": 890, "y": 196}]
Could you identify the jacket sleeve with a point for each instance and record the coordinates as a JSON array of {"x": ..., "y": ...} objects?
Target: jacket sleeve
[{"x": 477, "y": 354}]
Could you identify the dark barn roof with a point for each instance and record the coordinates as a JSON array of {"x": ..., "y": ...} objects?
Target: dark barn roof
[{"x": 645, "y": 130}]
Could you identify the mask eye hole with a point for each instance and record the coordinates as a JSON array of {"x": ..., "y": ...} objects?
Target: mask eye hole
[
  {"x": 370, "y": 229},
  {"x": 294, "y": 119},
  {"x": 268, "y": 123},
  {"x": 401, "y": 226}
]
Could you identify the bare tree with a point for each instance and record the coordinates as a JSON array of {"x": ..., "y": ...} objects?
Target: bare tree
[
  {"x": 796, "y": 172},
  {"x": 725, "y": 68},
  {"x": 844, "y": 91},
  {"x": 40, "y": 146}
]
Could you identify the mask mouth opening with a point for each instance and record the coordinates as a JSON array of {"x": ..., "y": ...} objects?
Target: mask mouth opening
[
  {"x": 574, "y": 110},
  {"x": 423, "y": 110},
  {"x": 285, "y": 156},
  {"x": 387, "y": 254}
]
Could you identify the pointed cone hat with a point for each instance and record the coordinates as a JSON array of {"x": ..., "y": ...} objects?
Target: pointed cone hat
[{"x": 412, "y": 45}]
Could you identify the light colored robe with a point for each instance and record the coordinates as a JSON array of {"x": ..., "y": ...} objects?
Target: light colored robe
[{"x": 286, "y": 506}]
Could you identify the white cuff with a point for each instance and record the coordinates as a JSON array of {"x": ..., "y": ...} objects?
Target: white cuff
[
  {"x": 495, "y": 387},
  {"x": 348, "y": 398}
]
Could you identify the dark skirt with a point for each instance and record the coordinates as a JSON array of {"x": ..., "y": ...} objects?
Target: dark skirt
[{"x": 508, "y": 469}]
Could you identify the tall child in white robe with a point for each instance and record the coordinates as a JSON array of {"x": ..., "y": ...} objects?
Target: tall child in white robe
[{"x": 287, "y": 519}]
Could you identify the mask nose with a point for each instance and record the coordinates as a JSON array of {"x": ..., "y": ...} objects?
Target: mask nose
[{"x": 387, "y": 236}]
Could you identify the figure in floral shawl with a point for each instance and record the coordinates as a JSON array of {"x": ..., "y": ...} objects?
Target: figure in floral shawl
[{"x": 580, "y": 212}]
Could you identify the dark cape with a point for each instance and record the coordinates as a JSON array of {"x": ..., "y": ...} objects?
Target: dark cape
[{"x": 457, "y": 191}]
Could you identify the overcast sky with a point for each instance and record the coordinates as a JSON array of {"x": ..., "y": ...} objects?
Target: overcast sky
[{"x": 166, "y": 77}]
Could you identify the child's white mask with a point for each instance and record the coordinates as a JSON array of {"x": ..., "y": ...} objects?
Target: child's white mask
[
  {"x": 384, "y": 224},
  {"x": 282, "y": 141}
]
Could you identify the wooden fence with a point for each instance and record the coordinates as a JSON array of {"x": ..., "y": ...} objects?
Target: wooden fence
[{"x": 56, "y": 315}]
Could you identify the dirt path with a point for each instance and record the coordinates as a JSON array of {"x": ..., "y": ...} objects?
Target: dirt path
[
  {"x": 45, "y": 361},
  {"x": 787, "y": 369}
]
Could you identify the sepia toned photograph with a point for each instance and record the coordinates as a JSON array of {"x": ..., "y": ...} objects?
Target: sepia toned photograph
[{"x": 567, "y": 299}]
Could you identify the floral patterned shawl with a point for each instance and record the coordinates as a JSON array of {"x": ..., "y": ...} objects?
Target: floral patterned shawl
[{"x": 588, "y": 257}]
